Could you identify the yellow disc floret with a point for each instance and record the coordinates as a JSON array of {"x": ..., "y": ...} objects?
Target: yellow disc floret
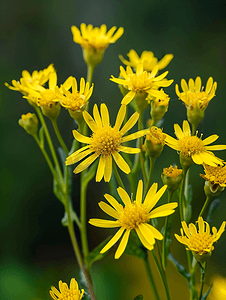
[
  {"x": 133, "y": 215},
  {"x": 173, "y": 172},
  {"x": 190, "y": 145},
  {"x": 106, "y": 141}
]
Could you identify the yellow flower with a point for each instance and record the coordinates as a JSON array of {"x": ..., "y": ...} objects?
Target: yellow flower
[
  {"x": 94, "y": 41},
  {"x": 76, "y": 100},
  {"x": 147, "y": 59},
  {"x": 216, "y": 175},
  {"x": 36, "y": 78},
  {"x": 134, "y": 215},
  {"x": 193, "y": 94},
  {"x": 95, "y": 38},
  {"x": 199, "y": 242},
  {"x": 194, "y": 147},
  {"x": 65, "y": 293},
  {"x": 172, "y": 172},
  {"x": 141, "y": 82},
  {"x": 30, "y": 123},
  {"x": 105, "y": 142},
  {"x": 155, "y": 141}
]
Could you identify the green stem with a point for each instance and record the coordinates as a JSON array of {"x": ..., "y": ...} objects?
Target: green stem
[
  {"x": 52, "y": 150},
  {"x": 164, "y": 255},
  {"x": 117, "y": 176},
  {"x": 181, "y": 198},
  {"x": 194, "y": 128},
  {"x": 151, "y": 279},
  {"x": 202, "y": 279},
  {"x": 60, "y": 139},
  {"x": 46, "y": 157},
  {"x": 76, "y": 248},
  {"x": 162, "y": 275},
  {"x": 208, "y": 199},
  {"x": 84, "y": 238},
  {"x": 90, "y": 72},
  {"x": 152, "y": 162},
  {"x": 140, "y": 127}
]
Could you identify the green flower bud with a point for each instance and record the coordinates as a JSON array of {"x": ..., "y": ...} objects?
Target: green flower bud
[
  {"x": 51, "y": 111},
  {"x": 172, "y": 177},
  {"x": 30, "y": 123},
  {"x": 155, "y": 141}
]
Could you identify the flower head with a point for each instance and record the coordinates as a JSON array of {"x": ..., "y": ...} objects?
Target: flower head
[
  {"x": 200, "y": 241},
  {"x": 172, "y": 176},
  {"x": 216, "y": 175},
  {"x": 36, "y": 78},
  {"x": 134, "y": 215},
  {"x": 67, "y": 293},
  {"x": 77, "y": 99},
  {"x": 94, "y": 41},
  {"x": 30, "y": 123},
  {"x": 105, "y": 142},
  {"x": 194, "y": 147},
  {"x": 141, "y": 82},
  {"x": 194, "y": 96},
  {"x": 147, "y": 59}
]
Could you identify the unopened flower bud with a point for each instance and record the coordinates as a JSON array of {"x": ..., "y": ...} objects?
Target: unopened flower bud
[
  {"x": 30, "y": 123},
  {"x": 159, "y": 106},
  {"x": 51, "y": 111},
  {"x": 155, "y": 141}
]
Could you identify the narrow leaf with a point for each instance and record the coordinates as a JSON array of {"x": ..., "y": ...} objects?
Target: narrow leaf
[
  {"x": 204, "y": 297},
  {"x": 213, "y": 206},
  {"x": 181, "y": 269}
]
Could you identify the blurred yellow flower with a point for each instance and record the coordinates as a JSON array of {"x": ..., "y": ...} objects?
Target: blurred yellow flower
[
  {"x": 194, "y": 96},
  {"x": 147, "y": 59},
  {"x": 65, "y": 292},
  {"x": 201, "y": 241},
  {"x": 95, "y": 38},
  {"x": 134, "y": 215},
  {"x": 105, "y": 142},
  {"x": 36, "y": 78},
  {"x": 194, "y": 147},
  {"x": 141, "y": 82}
]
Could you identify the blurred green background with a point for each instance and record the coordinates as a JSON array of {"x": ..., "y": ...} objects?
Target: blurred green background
[{"x": 35, "y": 249}]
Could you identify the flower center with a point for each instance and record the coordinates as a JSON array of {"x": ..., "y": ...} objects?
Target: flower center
[
  {"x": 190, "y": 145},
  {"x": 69, "y": 294},
  {"x": 106, "y": 141},
  {"x": 74, "y": 102},
  {"x": 132, "y": 216},
  {"x": 173, "y": 172},
  {"x": 201, "y": 242},
  {"x": 47, "y": 98},
  {"x": 140, "y": 82},
  {"x": 195, "y": 100}
]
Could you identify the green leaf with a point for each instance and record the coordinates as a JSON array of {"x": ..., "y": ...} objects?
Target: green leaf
[
  {"x": 204, "y": 297},
  {"x": 134, "y": 247},
  {"x": 139, "y": 297},
  {"x": 62, "y": 155},
  {"x": 41, "y": 136},
  {"x": 181, "y": 269},
  {"x": 213, "y": 206},
  {"x": 95, "y": 254},
  {"x": 73, "y": 215},
  {"x": 57, "y": 190},
  {"x": 90, "y": 173}
]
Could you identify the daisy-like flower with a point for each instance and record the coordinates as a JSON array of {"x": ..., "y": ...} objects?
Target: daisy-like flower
[
  {"x": 194, "y": 96},
  {"x": 141, "y": 82},
  {"x": 95, "y": 38},
  {"x": 36, "y": 78},
  {"x": 134, "y": 215},
  {"x": 77, "y": 99},
  {"x": 200, "y": 241},
  {"x": 215, "y": 175},
  {"x": 65, "y": 292},
  {"x": 147, "y": 59},
  {"x": 105, "y": 142},
  {"x": 194, "y": 147}
]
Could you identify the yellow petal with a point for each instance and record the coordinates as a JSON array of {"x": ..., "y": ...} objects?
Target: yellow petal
[
  {"x": 185, "y": 227},
  {"x": 151, "y": 192},
  {"x": 192, "y": 229},
  {"x": 156, "y": 197},
  {"x": 184, "y": 85},
  {"x": 104, "y": 115},
  {"x": 139, "y": 192},
  {"x": 129, "y": 149},
  {"x": 128, "y": 97},
  {"x": 201, "y": 225},
  {"x": 210, "y": 139},
  {"x": 120, "y": 117},
  {"x": 96, "y": 116},
  {"x": 104, "y": 223},
  {"x": 115, "y": 238},
  {"x": 123, "y": 244},
  {"x": 135, "y": 135},
  {"x": 72, "y": 159},
  {"x": 114, "y": 202},
  {"x": 147, "y": 233},
  {"x": 130, "y": 123},
  {"x": 198, "y": 84},
  {"x": 191, "y": 85},
  {"x": 209, "y": 85},
  {"x": 89, "y": 121},
  {"x": 186, "y": 128},
  {"x": 124, "y": 196},
  {"x": 81, "y": 138},
  {"x": 163, "y": 210},
  {"x": 122, "y": 164},
  {"x": 100, "y": 169},
  {"x": 108, "y": 168},
  {"x": 86, "y": 163},
  {"x": 178, "y": 131},
  {"x": 109, "y": 210},
  {"x": 52, "y": 80},
  {"x": 177, "y": 90},
  {"x": 157, "y": 235},
  {"x": 143, "y": 239},
  {"x": 197, "y": 159}
]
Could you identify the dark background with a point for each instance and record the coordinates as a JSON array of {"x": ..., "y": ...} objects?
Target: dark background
[{"x": 35, "y": 248}]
